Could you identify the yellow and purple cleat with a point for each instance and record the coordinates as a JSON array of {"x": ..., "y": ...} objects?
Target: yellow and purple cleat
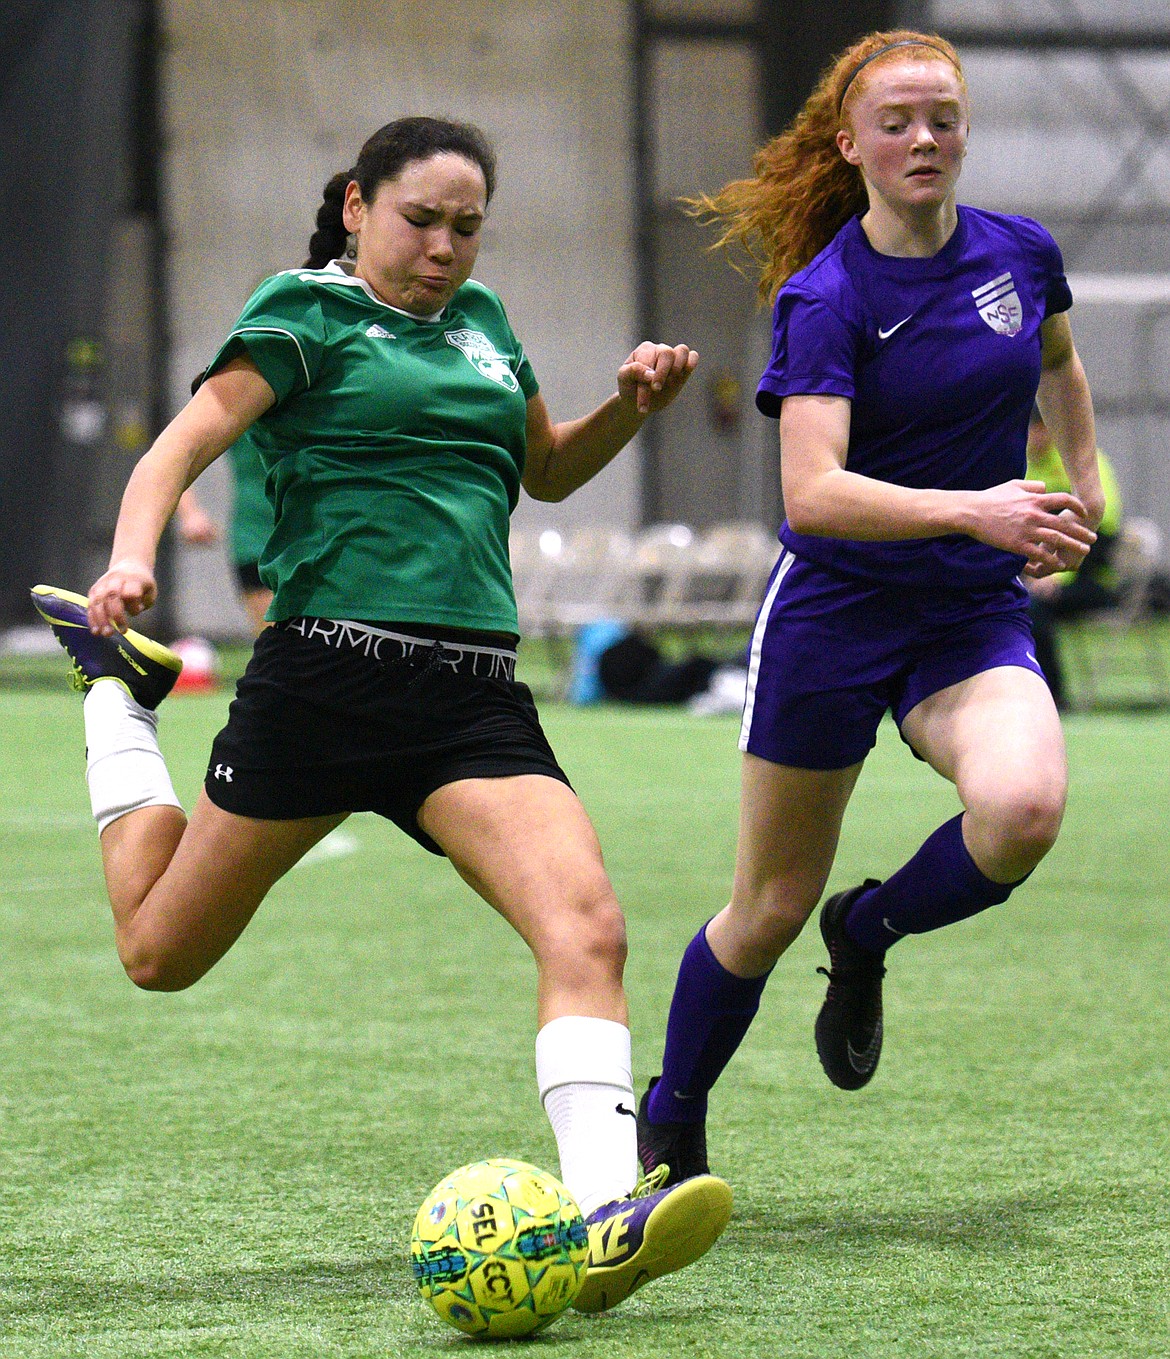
[
  {"x": 653, "y": 1232},
  {"x": 146, "y": 669}
]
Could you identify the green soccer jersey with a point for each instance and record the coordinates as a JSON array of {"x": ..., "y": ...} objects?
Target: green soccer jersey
[
  {"x": 394, "y": 450},
  {"x": 251, "y": 523}
]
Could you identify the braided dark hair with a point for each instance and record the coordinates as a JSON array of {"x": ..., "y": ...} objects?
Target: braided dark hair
[{"x": 383, "y": 157}]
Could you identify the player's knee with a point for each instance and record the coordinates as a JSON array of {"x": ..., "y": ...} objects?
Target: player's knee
[
  {"x": 777, "y": 909},
  {"x": 603, "y": 936},
  {"x": 589, "y": 934},
  {"x": 152, "y": 971},
  {"x": 1026, "y": 825},
  {"x": 1037, "y": 824},
  {"x": 762, "y": 922}
]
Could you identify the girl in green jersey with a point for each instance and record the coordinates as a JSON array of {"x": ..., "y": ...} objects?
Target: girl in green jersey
[{"x": 397, "y": 418}]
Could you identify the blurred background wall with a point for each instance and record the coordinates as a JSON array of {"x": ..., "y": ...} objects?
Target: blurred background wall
[
  {"x": 80, "y": 358},
  {"x": 161, "y": 156}
]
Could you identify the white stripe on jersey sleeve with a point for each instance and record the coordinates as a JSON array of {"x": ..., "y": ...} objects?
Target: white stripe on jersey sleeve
[{"x": 276, "y": 330}]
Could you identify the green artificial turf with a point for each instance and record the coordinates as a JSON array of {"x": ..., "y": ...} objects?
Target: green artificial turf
[{"x": 233, "y": 1171}]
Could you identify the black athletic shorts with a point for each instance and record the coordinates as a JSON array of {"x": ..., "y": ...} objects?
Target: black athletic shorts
[{"x": 354, "y": 717}]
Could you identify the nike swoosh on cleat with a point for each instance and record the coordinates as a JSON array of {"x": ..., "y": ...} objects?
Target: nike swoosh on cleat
[
  {"x": 678, "y": 1094},
  {"x": 886, "y": 923},
  {"x": 621, "y": 1109},
  {"x": 861, "y": 1062},
  {"x": 885, "y": 334}
]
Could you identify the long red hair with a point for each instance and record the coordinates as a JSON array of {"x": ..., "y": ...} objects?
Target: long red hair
[{"x": 803, "y": 190}]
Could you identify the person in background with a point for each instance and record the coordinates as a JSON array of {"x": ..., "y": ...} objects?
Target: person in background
[
  {"x": 1093, "y": 585},
  {"x": 397, "y": 418},
  {"x": 911, "y": 336},
  {"x": 195, "y": 526},
  {"x": 250, "y": 527}
]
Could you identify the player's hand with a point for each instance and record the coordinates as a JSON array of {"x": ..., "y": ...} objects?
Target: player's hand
[
  {"x": 654, "y": 374},
  {"x": 1052, "y": 557},
  {"x": 1049, "y": 528},
  {"x": 126, "y": 589}
]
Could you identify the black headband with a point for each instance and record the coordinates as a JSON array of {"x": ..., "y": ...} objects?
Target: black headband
[{"x": 889, "y": 47}]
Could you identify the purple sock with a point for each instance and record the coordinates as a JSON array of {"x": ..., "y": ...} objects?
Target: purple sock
[
  {"x": 711, "y": 1011},
  {"x": 940, "y": 884}
]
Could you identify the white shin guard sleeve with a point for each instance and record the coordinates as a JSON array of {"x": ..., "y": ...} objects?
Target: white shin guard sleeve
[
  {"x": 583, "y": 1071},
  {"x": 123, "y": 764}
]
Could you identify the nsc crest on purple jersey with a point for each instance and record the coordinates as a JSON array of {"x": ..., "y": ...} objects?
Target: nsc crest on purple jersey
[{"x": 999, "y": 304}]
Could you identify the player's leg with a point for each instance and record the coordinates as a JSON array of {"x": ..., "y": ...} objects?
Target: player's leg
[
  {"x": 974, "y": 704},
  {"x": 818, "y": 675},
  {"x": 182, "y": 893},
  {"x": 977, "y": 709},
  {"x": 789, "y": 826},
  {"x": 997, "y": 737},
  {"x": 527, "y": 847}
]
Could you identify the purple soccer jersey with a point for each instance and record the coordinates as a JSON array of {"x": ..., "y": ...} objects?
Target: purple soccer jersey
[{"x": 940, "y": 358}]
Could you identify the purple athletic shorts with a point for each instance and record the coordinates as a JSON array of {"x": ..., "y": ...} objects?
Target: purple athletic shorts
[{"x": 831, "y": 653}]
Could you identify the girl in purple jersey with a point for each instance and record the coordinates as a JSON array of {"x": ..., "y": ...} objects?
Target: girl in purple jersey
[{"x": 911, "y": 335}]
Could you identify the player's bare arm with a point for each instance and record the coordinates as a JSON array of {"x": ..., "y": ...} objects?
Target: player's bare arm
[
  {"x": 562, "y": 457},
  {"x": 822, "y": 497},
  {"x": 219, "y": 412},
  {"x": 1067, "y": 407}
]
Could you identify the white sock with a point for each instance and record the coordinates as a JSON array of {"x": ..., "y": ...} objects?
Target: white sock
[
  {"x": 583, "y": 1071},
  {"x": 123, "y": 764}
]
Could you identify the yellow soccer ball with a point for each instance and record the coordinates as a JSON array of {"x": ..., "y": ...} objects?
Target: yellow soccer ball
[{"x": 499, "y": 1248}]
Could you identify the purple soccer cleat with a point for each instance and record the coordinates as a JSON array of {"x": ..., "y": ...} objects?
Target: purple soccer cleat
[
  {"x": 653, "y": 1232},
  {"x": 147, "y": 670}
]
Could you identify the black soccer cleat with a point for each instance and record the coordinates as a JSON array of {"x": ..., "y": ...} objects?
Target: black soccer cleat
[
  {"x": 147, "y": 670},
  {"x": 849, "y": 1026},
  {"x": 681, "y": 1147}
]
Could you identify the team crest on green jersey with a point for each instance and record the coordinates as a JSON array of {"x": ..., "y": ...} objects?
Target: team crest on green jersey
[{"x": 482, "y": 354}]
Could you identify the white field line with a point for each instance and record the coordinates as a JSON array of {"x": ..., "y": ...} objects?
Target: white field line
[
  {"x": 338, "y": 844},
  {"x": 46, "y": 820},
  {"x": 45, "y": 884}
]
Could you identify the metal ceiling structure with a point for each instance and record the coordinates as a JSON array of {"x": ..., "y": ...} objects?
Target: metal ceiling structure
[{"x": 1080, "y": 29}]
